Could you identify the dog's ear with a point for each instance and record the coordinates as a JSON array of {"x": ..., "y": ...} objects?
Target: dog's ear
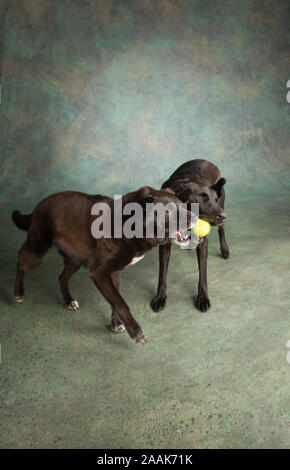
[
  {"x": 217, "y": 187},
  {"x": 170, "y": 191},
  {"x": 146, "y": 200}
]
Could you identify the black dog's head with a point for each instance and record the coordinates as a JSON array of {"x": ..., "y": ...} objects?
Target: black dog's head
[{"x": 207, "y": 197}]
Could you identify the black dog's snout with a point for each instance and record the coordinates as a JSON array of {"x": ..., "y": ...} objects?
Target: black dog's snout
[{"x": 222, "y": 216}]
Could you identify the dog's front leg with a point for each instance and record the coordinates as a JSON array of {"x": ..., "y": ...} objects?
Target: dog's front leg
[
  {"x": 106, "y": 286},
  {"x": 202, "y": 301},
  {"x": 225, "y": 252},
  {"x": 159, "y": 301}
]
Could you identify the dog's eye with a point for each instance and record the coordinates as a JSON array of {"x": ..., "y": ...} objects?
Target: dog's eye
[{"x": 204, "y": 196}]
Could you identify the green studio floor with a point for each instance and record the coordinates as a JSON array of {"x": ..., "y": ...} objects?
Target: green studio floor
[{"x": 213, "y": 380}]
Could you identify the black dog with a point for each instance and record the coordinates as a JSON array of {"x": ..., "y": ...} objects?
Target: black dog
[
  {"x": 196, "y": 181},
  {"x": 65, "y": 220}
]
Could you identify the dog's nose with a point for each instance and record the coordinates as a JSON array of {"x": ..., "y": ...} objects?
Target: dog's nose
[{"x": 223, "y": 216}]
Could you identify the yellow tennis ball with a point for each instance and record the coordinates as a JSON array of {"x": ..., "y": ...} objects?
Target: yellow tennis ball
[{"x": 201, "y": 228}]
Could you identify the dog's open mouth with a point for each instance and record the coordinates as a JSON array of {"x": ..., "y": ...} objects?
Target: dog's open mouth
[{"x": 181, "y": 238}]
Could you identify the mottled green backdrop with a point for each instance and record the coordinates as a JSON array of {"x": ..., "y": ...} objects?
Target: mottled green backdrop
[
  {"x": 108, "y": 95},
  {"x": 105, "y": 96}
]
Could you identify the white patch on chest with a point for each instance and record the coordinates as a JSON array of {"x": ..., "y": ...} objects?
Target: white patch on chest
[{"x": 136, "y": 259}]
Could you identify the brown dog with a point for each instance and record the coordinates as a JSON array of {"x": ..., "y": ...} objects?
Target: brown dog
[
  {"x": 65, "y": 220},
  {"x": 196, "y": 181}
]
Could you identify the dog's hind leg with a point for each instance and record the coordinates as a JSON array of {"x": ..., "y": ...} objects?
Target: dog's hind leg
[
  {"x": 117, "y": 326},
  {"x": 30, "y": 256},
  {"x": 19, "y": 285},
  {"x": 225, "y": 252},
  {"x": 70, "y": 267}
]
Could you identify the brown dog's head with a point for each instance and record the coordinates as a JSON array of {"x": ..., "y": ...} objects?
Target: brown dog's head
[
  {"x": 164, "y": 215},
  {"x": 208, "y": 198}
]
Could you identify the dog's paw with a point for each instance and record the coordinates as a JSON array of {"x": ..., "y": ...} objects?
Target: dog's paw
[
  {"x": 225, "y": 253},
  {"x": 158, "y": 303},
  {"x": 203, "y": 303},
  {"x": 141, "y": 337},
  {"x": 73, "y": 305},
  {"x": 134, "y": 330},
  {"x": 118, "y": 328},
  {"x": 19, "y": 299}
]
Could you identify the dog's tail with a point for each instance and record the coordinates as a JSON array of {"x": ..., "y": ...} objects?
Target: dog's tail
[{"x": 21, "y": 221}]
